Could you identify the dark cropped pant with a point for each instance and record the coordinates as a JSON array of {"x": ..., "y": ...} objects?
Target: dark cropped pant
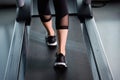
[{"x": 61, "y": 11}]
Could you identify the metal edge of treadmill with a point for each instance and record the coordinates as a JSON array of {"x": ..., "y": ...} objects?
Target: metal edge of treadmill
[
  {"x": 98, "y": 50},
  {"x": 13, "y": 66},
  {"x": 24, "y": 51},
  {"x": 90, "y": 55},
  {"x": 11, "y": 71},
  {"x": 24, "y": 47}
]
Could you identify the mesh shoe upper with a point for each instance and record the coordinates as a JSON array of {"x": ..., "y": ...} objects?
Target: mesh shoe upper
[
  {"x": 60, "y": 60},
  {"x": 51, "y": 41}
]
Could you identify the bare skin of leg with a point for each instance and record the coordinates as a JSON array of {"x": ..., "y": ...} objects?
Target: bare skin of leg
[
  {"x": 62, "y": 38},
  {"x": 48, "y": 26}
]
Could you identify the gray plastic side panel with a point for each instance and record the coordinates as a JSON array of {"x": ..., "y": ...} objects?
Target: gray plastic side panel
[
  {"x": 11, "y": 72},
  {"x": 98, "y": 50}
]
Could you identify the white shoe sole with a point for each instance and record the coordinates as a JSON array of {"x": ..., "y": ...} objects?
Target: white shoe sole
[
  {"x": 52, "y": 44},
  {"x": 60, "y": 64}
]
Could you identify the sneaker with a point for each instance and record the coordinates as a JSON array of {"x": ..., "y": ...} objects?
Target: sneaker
[
  {"x": 51, "y": 40},
  {"x": 60, "y": 61}
]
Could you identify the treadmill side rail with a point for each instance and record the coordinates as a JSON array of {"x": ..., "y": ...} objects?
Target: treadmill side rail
[{"x": 98, "y": 50}]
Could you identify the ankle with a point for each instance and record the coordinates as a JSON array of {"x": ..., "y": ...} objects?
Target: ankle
[
  {"x": 51, "y": 33},
  {"x": 61, "y": 52}
]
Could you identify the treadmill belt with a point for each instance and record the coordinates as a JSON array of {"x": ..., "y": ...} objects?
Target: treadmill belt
[{"x": 40, "y": 59}]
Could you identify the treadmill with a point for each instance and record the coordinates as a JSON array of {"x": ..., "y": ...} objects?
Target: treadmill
[
  {"x": 29, "y": 58},
  {"x": 85, "y": 54},
  {"x": 40, "y": 58}
]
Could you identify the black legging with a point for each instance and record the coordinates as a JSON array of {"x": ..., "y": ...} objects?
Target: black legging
[{"x": 60, "y": 10}]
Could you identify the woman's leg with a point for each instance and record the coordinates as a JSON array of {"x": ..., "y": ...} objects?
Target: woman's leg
[
  {"x": 45, "y": 16},
  {"x": 61, "y": 24},
  {"x": 62, "y": 31},
  {"x": 62, "y": 38}
]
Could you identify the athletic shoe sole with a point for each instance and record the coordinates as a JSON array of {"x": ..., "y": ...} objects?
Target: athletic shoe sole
[
  {"x": 52, "y": 44},
  {"x": 60, "y": 65}
]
